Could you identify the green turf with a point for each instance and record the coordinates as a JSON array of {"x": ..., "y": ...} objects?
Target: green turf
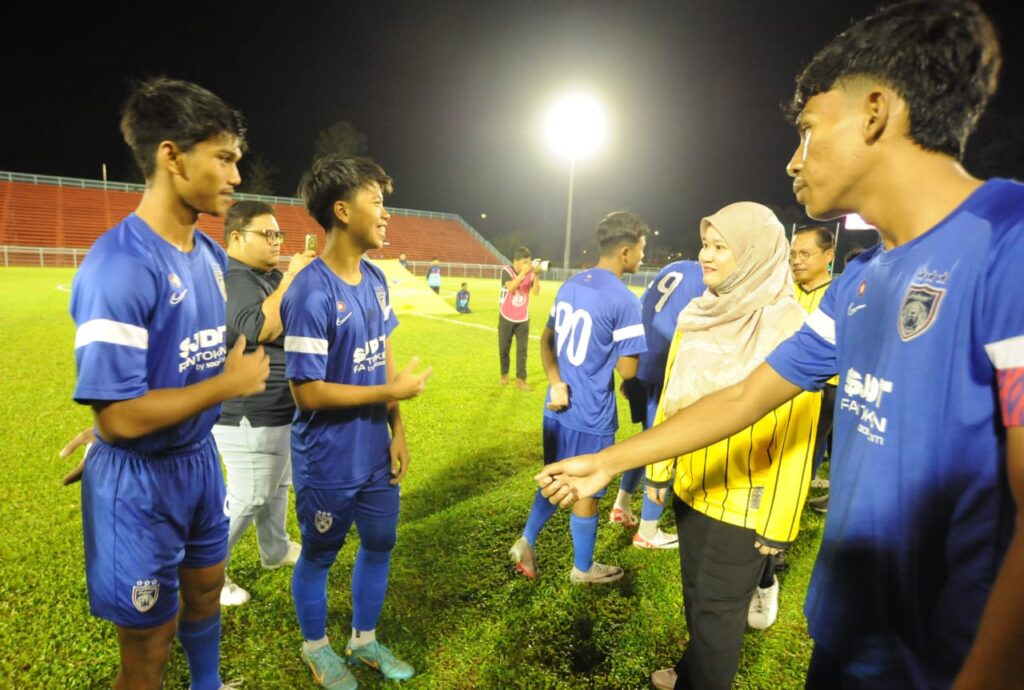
[{"x": 455, "y": 608}]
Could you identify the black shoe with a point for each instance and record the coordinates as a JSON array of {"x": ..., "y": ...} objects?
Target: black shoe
[{"x": 819, "y": 504}]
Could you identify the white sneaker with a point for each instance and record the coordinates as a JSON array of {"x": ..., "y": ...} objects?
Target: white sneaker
[
  {"x": 660, "y": 540},
  {"x": 291, "y": 557},
  {"x": 622, "y": 517},
  {"x": 521, "y": 554},
  {"x": 598, "y": 574},
  {"x": 231, "y": 594},
  {"x": 764, "y": 606}
]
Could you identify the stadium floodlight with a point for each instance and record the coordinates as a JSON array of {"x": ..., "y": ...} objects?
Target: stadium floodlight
[{"x": 576, "y": 128}]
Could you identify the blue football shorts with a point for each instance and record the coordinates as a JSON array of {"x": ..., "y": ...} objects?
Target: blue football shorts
[
  {"x": 325, "y": 515},
  {"x": 143, "y": 517},
  {"x": 561, "y": 442}
]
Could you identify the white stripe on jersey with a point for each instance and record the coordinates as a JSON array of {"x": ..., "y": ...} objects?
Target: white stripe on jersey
[
  {"x": 1007, "y": 354},
  {"x": 309, "y": 346},
  {"x": 822, "y": 324},
  {"x": 634, "y": 331},
  {"x": 113, "y": 332}
]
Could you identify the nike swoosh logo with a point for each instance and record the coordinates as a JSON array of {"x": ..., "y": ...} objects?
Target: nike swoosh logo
[
  {"x": 342, "y": 321},
  {"x": 851, "y": 310},
  {"x": 178, "y": 296}
]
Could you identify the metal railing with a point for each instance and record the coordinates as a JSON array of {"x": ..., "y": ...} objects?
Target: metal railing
[
  {"x": 79, "y": 183},
  {"x": 59, "y": 257}
]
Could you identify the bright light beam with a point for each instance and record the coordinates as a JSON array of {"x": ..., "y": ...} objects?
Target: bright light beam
[{"x": 576, "y": 126}]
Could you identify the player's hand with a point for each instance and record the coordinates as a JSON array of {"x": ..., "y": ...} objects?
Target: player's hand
[
  {"x": 408, "y": 384},
  {"x": 85, "y": 437},
  {"x": 399, "y": 455},
  {"x": 657, "y": 494},
  {"x": 247, "y": 372},
  {"x": 300, "y": 261},
  {"x": 559, "y": 396},
  {"x": 563, "y": 483},
  {"x": 765, "y": 549}
]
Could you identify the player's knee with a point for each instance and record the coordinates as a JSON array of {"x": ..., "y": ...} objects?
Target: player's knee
[
  {"x": 319, "y": 554},
  {"x": 378, "y": 535}
]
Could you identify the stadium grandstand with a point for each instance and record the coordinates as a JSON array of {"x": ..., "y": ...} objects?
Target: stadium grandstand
[{"x": 52, "y": 221}]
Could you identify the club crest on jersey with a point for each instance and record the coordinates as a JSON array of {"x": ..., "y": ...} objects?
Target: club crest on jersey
[
  {"x": 218, "y": 275},
  {"x": 382, "y": 299},
  {"x": 340, "y": 305},
  {"x": 175, "y": 281},
  {"x": 862, "y": 288},
  {"x": 323, "y": 521},
  {"x": 144, "y": 594},
  {"x": 918, "y": 311}
]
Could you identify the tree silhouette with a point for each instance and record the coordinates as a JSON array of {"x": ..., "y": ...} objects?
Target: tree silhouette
[{"x": 341, "y": 137}]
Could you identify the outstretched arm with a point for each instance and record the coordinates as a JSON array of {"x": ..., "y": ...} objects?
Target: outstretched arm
[{"x": 707, "y": 421}]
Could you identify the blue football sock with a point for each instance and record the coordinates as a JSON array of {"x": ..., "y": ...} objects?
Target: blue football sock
[
  {"x": 631, "y": 479},
  {"x": 201, "y": 641},
  {"x": 309, "y": 591},
  {"x": 651, "y": 510},
  {"x": 369, "y": 585},
  {"x": 540, "y": 513},
  {"x": 584, "y": 536}
]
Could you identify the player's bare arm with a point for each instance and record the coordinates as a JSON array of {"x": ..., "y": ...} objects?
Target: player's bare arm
[
  {"x": 627, "y": 366},
  {"x": 243, "y": 375},
  {"x": 703, "y": 423},
  {"x": 993, "y": 661},
  {"x": 559, "y": 388},
  {"x": 398, "y": 449},
  {"x": 324, "y": 395},
  {"x": 273, "y": 327}
]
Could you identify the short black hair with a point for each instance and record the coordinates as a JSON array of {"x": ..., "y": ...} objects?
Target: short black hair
[
  {"x": 163, "y": 109},
  {"x": 241, "y": 214},
  {"x": 823, "y": 237},
  {"x": 619, "y": 228},
  {"x": 853, "y": 254},
  {"x": 521, "y": 253},
  {"x": 465, "y": 284},
  {"x": 337, "y": 178},
  {"x": 941, "y": 56}
]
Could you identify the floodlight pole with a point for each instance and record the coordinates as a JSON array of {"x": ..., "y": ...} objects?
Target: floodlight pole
[{"x": 568, "y": 215}]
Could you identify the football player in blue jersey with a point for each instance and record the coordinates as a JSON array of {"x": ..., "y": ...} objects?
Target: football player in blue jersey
[
  {"x": 670, "y": 291},
  {"x": 595, "y": 328},
  {"x": 916, "y": 583},
  {"x": 148, "y": 305},
  {"x": 346, "y": 468}
]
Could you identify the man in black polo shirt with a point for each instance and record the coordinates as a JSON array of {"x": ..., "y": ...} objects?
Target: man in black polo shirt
[{"x": 254, "y": 434}]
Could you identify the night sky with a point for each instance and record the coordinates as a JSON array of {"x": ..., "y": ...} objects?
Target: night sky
[{"x": 451, "y": 96}]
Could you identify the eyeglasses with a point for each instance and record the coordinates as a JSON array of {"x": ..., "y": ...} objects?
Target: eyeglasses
[
  {"x": 271, "y": 236},
  {"x": 803, "y": 255}
]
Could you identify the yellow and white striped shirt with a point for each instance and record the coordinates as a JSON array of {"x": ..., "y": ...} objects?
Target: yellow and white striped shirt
[{"x": 757, "y": 478}]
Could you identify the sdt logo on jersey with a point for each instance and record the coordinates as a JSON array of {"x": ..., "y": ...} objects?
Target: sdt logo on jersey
[
  {"x": 370, "y": 356},
  {"x": 203, "y": 349},
  {"x": 863, "y": 395}
]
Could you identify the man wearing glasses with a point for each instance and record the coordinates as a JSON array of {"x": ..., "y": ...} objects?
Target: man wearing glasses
[
  {"x": 811, "y": 257},
  {"x": 254, "y": 434}
]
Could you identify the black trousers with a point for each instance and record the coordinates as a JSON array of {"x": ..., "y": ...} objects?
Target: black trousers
[
  {"x": 720, "y": 569},
  {"x": 506, "y": 330},
  {"x": 823, "y": 439}
]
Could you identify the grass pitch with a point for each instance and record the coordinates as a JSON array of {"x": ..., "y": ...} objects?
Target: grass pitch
[{"x": 455, "y": 608}]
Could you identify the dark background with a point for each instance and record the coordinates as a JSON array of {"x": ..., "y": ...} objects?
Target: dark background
[{"x": 451, "y": 94}]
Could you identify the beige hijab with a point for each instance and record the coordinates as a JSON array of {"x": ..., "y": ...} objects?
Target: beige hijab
[{"x": 723, "y": 337}]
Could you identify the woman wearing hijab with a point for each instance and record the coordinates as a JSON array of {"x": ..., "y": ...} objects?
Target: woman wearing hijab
[{"x": 736, "y": 502}]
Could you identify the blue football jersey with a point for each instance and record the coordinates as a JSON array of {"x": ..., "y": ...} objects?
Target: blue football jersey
[
  {"x": 336, "y": 332},
  {"x": 666, "y": 296},
  {"x": 919, "y": 514},
  {"x": 149, "y": 316},
  {"x": 596, "y": 320}
]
